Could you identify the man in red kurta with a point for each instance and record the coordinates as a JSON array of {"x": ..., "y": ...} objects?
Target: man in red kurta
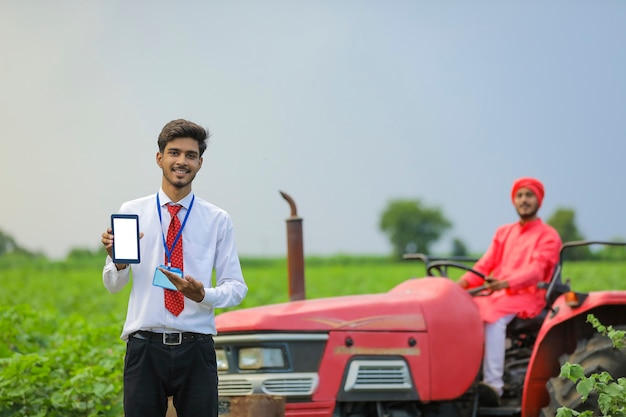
[{"x": 521, "y": 255}]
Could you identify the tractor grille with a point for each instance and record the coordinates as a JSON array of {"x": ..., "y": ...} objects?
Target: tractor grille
[
  {"x": 294, "y": 384},
  {"x": 232, "y": 387},
  {"x": 377, "y": 375},
  {"x": 289, "y": 386}
]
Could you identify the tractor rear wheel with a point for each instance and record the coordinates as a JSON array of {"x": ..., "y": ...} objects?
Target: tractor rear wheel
[{"x": 595, "y": 355}]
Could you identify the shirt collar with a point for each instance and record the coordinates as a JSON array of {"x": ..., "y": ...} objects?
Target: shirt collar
[
  {"x": 530, "y": 224},
  {"x": 165, "y": 200}
]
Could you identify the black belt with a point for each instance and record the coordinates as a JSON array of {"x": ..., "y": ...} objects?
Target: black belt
[{"x": 170, "y": 339}]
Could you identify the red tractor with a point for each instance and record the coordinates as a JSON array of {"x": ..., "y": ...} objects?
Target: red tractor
[{"x": 415, "y": 350}]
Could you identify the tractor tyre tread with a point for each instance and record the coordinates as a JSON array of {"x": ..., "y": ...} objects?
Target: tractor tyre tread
[{"x": 594, "y": 355}]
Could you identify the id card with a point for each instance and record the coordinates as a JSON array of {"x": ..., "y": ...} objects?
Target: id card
[{"x": 161, "y": 280}]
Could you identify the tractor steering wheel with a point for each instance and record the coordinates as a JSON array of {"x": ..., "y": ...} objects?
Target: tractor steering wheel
[{"x": 440, "y": 268}]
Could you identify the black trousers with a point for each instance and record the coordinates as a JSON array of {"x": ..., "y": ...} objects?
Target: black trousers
[{"x": 153, "y": 372}]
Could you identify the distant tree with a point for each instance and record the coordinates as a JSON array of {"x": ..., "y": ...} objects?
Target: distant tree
[
  {"x": 564, "y": 221},
  {"x": 458, "y": 248},
  {"x": 411, "y": 226},
  {"x": 7, "y": 243}
]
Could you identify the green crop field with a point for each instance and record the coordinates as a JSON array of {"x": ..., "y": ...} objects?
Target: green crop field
[{"x": 60, "y": 353}]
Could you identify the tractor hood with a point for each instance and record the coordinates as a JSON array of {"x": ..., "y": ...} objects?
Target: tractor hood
[{"x": 410, "y": 306}]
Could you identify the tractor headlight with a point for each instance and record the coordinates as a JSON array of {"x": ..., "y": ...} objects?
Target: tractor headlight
[
  {"x": 261, "y": 358},
  {"x": 222, "y": 361}
]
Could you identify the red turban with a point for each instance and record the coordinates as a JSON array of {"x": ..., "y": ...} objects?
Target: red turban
[{"x": 532, "y": 184}]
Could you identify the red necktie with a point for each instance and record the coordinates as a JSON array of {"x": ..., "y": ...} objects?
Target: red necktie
[{"x": 174, "y": 300}]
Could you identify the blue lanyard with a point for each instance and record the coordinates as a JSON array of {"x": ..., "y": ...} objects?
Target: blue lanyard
[{"x": 168, "y": 251}]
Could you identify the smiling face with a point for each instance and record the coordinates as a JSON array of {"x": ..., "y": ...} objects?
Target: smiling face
[
  {"x": 526, "y": 204},
  {"x": 180, "y": 161}
]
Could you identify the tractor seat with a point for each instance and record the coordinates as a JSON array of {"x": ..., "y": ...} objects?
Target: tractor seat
[{"x": 531, "y": 325}]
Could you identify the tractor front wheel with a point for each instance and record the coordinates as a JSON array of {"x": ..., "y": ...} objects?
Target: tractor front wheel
[{"x": 595, "y": 355}]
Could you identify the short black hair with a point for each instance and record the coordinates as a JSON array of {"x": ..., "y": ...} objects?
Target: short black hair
[{"x": 181, "y": 128}]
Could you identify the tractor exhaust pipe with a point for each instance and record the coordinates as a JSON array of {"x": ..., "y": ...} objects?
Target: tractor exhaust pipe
[{"x": 295, "y": 252}]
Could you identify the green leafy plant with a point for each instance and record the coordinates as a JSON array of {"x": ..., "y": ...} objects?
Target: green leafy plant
[
  {"x": 58, "y": 367},
  {"x": 611, "y": 393}
]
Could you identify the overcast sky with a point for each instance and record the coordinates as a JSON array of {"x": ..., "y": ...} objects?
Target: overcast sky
[{"x": 344, "y": 105}]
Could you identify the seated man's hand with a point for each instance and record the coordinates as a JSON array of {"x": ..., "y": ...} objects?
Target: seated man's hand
[{"x": 493, "y": 284}]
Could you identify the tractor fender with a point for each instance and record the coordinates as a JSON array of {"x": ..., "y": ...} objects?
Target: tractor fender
[{"x": 563, "y": 327}]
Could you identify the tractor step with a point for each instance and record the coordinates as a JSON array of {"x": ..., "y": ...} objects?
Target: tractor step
[{"x": 500, "y": 411}]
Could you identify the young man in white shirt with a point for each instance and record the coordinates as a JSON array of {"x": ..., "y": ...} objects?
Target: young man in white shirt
[{"x": 170, "y": 350}]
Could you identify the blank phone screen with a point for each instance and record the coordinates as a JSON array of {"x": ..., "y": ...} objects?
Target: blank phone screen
[{"x": 125, "y": 238}]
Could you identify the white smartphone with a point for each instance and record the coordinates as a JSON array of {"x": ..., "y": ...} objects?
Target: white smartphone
[{"x": 125, "y": 238}]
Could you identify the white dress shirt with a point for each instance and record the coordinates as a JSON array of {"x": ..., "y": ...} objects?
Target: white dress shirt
[{"x": 208, "y": 244}]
